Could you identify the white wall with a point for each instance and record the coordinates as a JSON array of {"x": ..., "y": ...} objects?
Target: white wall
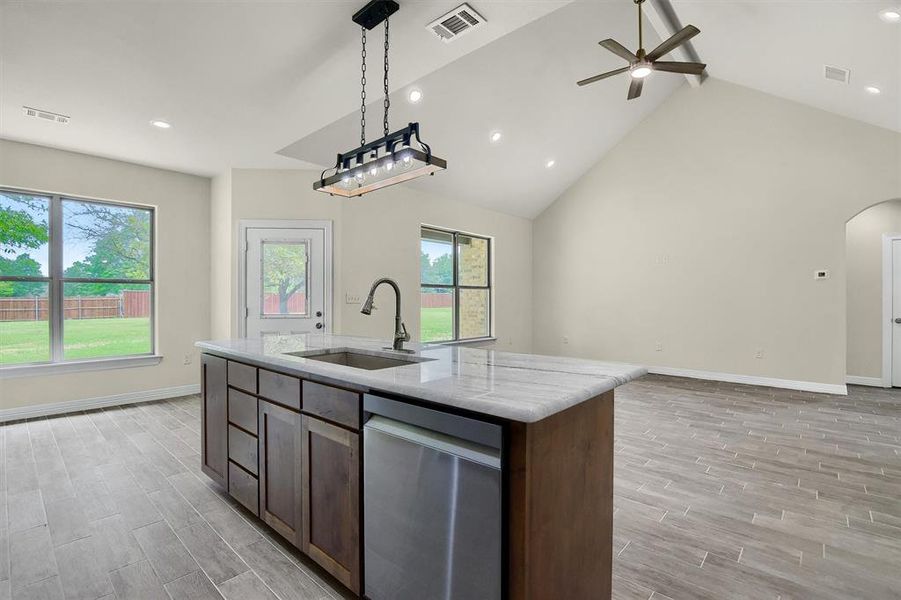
[
  {"x": 864, "y": 259},
  {"x": 701, "y": 231},
  {"x": 378, "y": 235},
  {"x": 182, "y": 267}
]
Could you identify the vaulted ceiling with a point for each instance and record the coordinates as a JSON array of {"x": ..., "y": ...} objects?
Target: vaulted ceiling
[{"x": 275, "y": 84}]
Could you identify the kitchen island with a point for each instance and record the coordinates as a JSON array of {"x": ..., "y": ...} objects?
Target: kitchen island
[{"x": 283, "y": 429}]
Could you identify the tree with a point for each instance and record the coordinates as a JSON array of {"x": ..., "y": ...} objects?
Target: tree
[
  {"x": 21, "y": 229},
  {"x": 21, "y": 266},
  {"x": 284, "y": 271},
  {"x": 120, "y": 239}
]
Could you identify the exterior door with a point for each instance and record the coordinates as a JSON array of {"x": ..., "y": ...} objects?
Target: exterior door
[
  {"x": 896, "y": 313},
  {"x": 285, "y": 282}
]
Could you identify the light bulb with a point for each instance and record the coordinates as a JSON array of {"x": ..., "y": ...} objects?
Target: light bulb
[
  {"x": 407, "y": 161},
  {"x": 360, "y": 176},
  {"x": 374, "y": 170},
  {"x": 640, "y": 71},
  {"x": 389, "y": 165},
  {"x": 346, "y": 181}
]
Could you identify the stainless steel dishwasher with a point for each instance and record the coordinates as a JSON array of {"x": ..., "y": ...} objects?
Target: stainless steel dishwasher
[{"x": 431, "y": 504}]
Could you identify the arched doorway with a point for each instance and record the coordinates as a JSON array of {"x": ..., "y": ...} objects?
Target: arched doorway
[{"x": 873, "y": 260}]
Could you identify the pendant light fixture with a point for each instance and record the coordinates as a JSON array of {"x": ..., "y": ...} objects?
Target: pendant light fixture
[{"x": 394, "y": 158}]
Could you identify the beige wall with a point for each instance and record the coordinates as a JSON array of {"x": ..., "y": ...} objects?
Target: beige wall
[
  {"x": 701, "y": 231},
  {"x": 378, "y": 235},
  {"x": 864, "y": 260},
  {"x": 182, "y": 267}
]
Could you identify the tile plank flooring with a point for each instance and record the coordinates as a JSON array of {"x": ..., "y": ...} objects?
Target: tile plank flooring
[{"x": 721, "y": 491}]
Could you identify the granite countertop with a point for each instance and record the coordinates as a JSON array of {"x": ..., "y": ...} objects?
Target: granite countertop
[{"x": 518, "y": 387}]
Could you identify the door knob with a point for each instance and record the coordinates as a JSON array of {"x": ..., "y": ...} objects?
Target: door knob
[
  {"x": 318, "y": 325},
  {"x": 898, "y": 320},
  {"x": 318, "y": 313}
]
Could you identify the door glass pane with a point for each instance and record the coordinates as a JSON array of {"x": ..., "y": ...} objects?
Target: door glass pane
[
  {"x": 24, "y": 235},
  {"x": 472, "y": 260},
  {"x": 102, "y": 241},
  {"x": 474, "y": 309},
  {"x": 436, "y": 258},
  {"x": 284, "y": 273},
  {"x": 24, "y": 323},
  {"x": 106, "y": 319},
  {"x": 436, "y": 314}
]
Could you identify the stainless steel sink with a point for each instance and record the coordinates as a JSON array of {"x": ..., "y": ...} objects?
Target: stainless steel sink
[{"x": 370, "y": 362}]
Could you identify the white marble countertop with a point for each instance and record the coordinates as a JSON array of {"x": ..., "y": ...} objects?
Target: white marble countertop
[{"x": 519, "y": 387}]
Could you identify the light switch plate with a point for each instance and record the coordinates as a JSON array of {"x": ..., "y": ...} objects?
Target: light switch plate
[{"x": 353, "y": 299}]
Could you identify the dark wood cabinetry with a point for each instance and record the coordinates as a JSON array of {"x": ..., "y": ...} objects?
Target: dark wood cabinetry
[
  {"x": 214, "y": 432},
  {"x": 331, "y": 499},
  {"x": 281, "y": 470}
]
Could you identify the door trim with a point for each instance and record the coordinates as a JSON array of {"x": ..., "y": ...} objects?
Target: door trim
[
  {"x": 887, "y": 291},
  {"x": 241, "y": 246}
]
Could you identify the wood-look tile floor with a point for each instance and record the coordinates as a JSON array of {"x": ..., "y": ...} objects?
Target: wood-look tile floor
[{"x": 721, "y": 491}]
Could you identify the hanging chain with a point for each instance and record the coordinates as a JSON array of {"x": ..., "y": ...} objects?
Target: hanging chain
[
  {"x": 363, "y": 93},
  {"x": 387, "y": 100}
]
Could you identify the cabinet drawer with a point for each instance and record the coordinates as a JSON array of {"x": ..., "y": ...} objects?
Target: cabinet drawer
[
  {"x": 242, "y": 410},
  {"x": 281, "y": 389},
  {"x": 244, "y": 487},
  {"x": 242, "y": 376},
  {"x": 242, "y": 449},
  {"x": 334, "y": 404}
]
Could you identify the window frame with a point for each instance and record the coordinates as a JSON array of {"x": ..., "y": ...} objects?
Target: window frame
[
  {"x": 56, "y": 285},
  {"x": 456, "y": 286}
]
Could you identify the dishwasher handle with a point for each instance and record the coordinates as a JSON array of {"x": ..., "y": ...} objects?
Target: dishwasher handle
[{"x": 464, "y": 428}]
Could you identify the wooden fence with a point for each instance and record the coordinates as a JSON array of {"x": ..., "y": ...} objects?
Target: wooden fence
[
  {"x": 432, "y": 300},
  {"x": 129, "y": 304},
  {"x": 297, "y": 304}
]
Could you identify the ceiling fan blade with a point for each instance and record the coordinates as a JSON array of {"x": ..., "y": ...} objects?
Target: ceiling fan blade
[
  {"x": 689, "y": 68},
  {"x": 618, "y": 49},
  {"x": 679, "y": 38},
  {"x": 602, "y": 76},
  {"x": 635, "y": 88}
]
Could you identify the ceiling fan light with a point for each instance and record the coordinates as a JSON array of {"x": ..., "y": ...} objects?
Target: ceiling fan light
[{"x": 640, "y": 71}]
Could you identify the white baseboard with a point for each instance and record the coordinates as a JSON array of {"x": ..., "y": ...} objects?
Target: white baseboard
[
  {"x": 788, "y": 384},
  {"x": 55, "y": 408},
  {"x": 871, "y": 381}
]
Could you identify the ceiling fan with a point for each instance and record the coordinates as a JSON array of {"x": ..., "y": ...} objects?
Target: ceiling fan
[{"x": 642, "y": 64}]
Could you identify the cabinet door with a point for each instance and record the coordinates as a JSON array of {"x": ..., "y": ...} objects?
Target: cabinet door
[
  {"x": 281, "y": 469},
  {"x": 214, "y": 430},
  {"x": 331, "y": 493}
]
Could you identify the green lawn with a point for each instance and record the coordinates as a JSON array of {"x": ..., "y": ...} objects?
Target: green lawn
[
  {"x": 437, "y": 324},
  {"x": 28, "y": 341}
]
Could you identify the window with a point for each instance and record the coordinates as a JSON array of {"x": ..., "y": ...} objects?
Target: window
[
  {"x": 76, "y": 279},
  {"x": 455, "y": 275}
]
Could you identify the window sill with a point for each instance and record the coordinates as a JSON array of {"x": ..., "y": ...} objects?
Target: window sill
[
  {"x": 480, "y": 340},
  {"x": 80, "y": 366}
]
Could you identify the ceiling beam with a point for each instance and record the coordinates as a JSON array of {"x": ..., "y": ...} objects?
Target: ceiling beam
[{"x": 665, "y": 22}]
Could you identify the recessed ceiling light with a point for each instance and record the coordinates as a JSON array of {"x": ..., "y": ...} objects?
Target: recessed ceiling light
[
  {"x": 495, "y": 137},
  {"x": 872, "y": 89},
  {"x": 891, "y": 15},
  {"x": 415, "y": 95},
  {"x": 161, "y": 124},
  {"x": 550, "y": 163}
]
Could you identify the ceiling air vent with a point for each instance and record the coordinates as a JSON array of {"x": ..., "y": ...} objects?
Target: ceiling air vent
[
  {"x": 45, "y": 115},
  {"x": 836, "y": 74},
  {"x": 457, "y": 22}
]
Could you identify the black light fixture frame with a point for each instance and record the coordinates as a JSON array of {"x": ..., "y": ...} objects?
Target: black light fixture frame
[{"x": 391, "y": 145}]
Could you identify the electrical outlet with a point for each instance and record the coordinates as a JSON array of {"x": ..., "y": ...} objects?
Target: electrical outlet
[
  {"x": 758, "y": 354},
  {"x": 565, "y": 339},
  {"x": 353, "y": 299},
  {"x": 658, "y": 347},
  {"x": 189, "y": 358}
]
